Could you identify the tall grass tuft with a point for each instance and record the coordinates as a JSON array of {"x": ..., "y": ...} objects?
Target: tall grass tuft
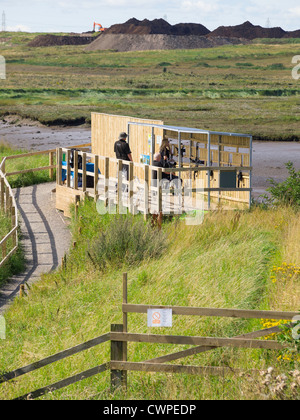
[{"x": 126, "y": 240}]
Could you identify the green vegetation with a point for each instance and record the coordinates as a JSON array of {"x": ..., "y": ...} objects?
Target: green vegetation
[
  {"x": 243, "y": 88},
  {"x": 243, "y": 260},
  {"x": 228, "y": 261},
  {"x": 287, "y": 192},
  {"x": 126, "y": 239}
]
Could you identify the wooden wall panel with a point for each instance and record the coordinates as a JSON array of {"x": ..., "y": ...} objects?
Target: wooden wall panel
[
  {"x": 106, "y": 129},
  {"x": 225, "y": 150}
]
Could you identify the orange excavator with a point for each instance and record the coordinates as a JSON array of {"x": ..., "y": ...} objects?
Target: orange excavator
[{"x": 99, "y": 27}]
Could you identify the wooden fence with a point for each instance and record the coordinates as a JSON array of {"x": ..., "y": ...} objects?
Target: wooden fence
[
  {"x": 119, "y": 337},
  {"x": 7, "y": 200},
  {"x": 9, "y": 244}
]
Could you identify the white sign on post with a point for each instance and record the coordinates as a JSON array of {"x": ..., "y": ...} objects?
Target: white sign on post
[{"x": 160, "y": 318}]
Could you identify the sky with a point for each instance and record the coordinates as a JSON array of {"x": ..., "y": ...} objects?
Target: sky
[{"x": 79, "y": 15}]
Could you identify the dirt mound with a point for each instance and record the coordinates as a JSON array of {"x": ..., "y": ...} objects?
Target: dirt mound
[
  {"x": 134, "y": 42},
  {"x": 293, "y": 34},
  {"x": 53, "y": 40},
  {"x": 190, "y": 29},
  {"x": 248, "y": 31},
  {"x": 157, "y": 26}
]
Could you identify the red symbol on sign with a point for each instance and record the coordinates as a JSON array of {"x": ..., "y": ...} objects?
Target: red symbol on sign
[{"x": 156, "y": 318}]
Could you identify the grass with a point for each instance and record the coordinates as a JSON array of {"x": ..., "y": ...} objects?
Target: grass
[
  {"x": 232, "y": 87},
  {"x": 223, "y": 263},
  {"x": 248, "y": 263}
]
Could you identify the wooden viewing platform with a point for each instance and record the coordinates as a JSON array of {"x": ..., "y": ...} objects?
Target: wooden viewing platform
[
  {"x": 215, "y": 168},
  {"x": 144, "y": 192}
]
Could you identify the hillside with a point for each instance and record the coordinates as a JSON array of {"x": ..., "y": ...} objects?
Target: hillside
[
  {"x": 246, "y": 262},
  {"x": 247, "y": 30},
  {"x": 141, "y": 35},
  {"x": 157, "y": 26},
  {"x": 50, "y": 40}
]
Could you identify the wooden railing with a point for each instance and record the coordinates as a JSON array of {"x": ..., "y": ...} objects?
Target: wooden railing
[
  {"x": 9, "y": 207},
  {"x": 50, "y": 167},
  {"x": 119, "y": 337},
  {"x": 108, "y": 180},
  {"x": 7, "y": 200}
]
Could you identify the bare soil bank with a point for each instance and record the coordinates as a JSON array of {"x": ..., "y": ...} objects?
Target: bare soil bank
[
  {"x": 50, "y": 40},
  {"x": 134, "y": 42},
  {"x": 30, "y": 135},
  {"x": 269, "y": 157}
]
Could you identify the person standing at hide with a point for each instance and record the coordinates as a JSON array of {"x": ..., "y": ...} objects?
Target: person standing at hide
[{"x": 123, "y": 152}]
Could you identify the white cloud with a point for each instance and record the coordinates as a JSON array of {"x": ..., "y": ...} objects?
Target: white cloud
[
  {"x": 295, "y": 11},
  {"x": 199, "y": 5},
  {"x": 20, "y": 28}
]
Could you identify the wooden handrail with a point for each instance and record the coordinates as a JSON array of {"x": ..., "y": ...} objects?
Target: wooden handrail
[
  {"x": 213, "y": 312},
  {"x": 8, "y": 205},
  {"x": 54, "y": 358}
]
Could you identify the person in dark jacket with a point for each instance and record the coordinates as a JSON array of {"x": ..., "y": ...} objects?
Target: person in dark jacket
[
  {"x": 159, "y": 163},
  {"x": 165, "y": 152},
  {"x": 123, "y": 152}
]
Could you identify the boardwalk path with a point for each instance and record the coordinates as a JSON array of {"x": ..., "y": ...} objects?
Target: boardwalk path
[{"x": 46, "y": 237}]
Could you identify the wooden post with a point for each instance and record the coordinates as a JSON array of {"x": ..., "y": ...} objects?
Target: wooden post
[
  {"x": 51, "y": 164},
  {"x": 208, "y": 172},
  {"x": 59, "y": 166},
  {"x": 119, "y": 190},
  {"x": 77, "y": 201},
  {"x": 125, "y": 318},
  {"x": 84, "y": 172},
  {"x": 75, "y": 169},
  {"x": 96, "y": 169},
  {"x": 118, "y": 378},
  {"x": 6, "y": 200},
  {"x": 159, "y": 190},
  {"x": 9, "y": 204},
  {"x": 146, "y": 191},
  {"x": 68, "y": 157},
  {"x": 130, "y": 188},
  {"x": 2, "y": 194},
  {"x": 125, "y": 300},
  {"x": 106, "y": 182},
  {"x": 13, "y": 222},
  {"x": 22, "y": 290}
]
